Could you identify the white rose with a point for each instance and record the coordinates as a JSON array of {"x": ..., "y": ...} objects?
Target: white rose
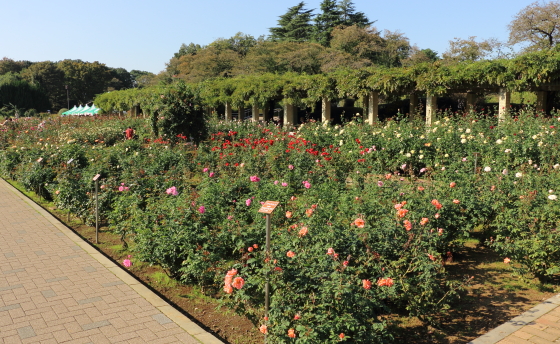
[{"x": 487, "y": 169}]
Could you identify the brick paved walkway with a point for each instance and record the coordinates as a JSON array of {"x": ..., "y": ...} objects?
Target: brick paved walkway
[
  {"x": 539, "y": 325},
  {"x": 55, "y": 288}
]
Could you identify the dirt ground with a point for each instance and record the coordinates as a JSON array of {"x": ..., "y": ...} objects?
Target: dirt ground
[{"x": 494, "y": 296}]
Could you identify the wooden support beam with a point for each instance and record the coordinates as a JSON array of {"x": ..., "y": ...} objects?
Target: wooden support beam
[{"x": 431, "y": 109}]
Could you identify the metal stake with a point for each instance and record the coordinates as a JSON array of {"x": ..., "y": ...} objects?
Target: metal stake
[
  {"x": 96, "y": 212},
  {"x": 266, "y": 286}
]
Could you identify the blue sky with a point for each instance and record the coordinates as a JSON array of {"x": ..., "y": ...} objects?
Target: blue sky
[{"x": 145, "y": 35}]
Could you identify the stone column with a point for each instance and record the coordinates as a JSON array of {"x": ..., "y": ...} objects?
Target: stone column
[
  {"x": 266, "y": 115},
  {"x": 471, "y": 101},
  {"x": 289, "y": 114},
  {"x": 431, "y": 108},
  {"x": 365, "y": 107},
  {"x": 255, "y": 113},
  {"x": 241, "y": 113},
  {"x": 228, "y": 113},
  {"x": 373, "y": 107},
  {"x": 541, "y": 101},
  {"x": 326, "y": 110},
  {"x": 504, "y": 100},
  {"x": 413, "y": 111}
]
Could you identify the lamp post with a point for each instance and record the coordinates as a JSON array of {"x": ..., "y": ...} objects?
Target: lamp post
[{"x": 67, "y": 96}]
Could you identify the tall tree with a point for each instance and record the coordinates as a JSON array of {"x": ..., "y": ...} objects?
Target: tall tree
[
  {"x": 190, "y": 49},
  {"x": 350, "y": 17},
  {"x": 141, "y": 78},
  {"x": 538, "y": 25},
  {"x": 9, "y": 65},
  {"x": 469, "y": 49},
  {"x": 294, "y": 26},
  {"x": 50, "y": 78},
  {"x": 325, "y": 22},
  {"x": 84, "y": 79},
  {"x": 121, "y": 79}
]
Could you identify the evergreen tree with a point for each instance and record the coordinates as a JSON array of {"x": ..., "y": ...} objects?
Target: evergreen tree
[
  {"x": 294, "y": 26},
  {"x": 326, "y": 22},
  {"x": 350, "y": 17}
]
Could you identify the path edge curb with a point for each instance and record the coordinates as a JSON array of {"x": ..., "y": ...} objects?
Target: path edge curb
[{"x": 526, "y": 318}]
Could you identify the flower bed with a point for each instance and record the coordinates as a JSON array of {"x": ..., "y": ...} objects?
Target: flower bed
[{"x": 368, "y": 215}]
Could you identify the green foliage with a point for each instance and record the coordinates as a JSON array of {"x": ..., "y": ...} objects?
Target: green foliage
[
  {"x": 367, "y": 219},
  {"x": 294, "y": 25}
]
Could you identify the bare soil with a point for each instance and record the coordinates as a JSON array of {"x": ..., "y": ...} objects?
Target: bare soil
[{"x": 494, "y": 296}]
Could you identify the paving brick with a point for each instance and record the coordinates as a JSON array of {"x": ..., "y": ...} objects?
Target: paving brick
[{"x": 54, "y": 288}]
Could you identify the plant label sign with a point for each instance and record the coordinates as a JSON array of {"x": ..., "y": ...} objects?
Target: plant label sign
[
  {"x": 69, "y": 161},
  {"x": 96, "y": 177},
  {"x": 40, "y": 159},
  {"x": 268, "y": 207}
]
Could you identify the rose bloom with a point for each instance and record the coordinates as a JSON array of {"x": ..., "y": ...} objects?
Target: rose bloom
[
  {"x": 297, "y": 317},
  {"x": 309, "y": 212},
  {"x": 436, "y": 204},
  {"x": 228, "y": 288},
  {"x": 360, "y": 223},
  {"x": 341, "y": 336},
  {"x": 407, "y": 225},
  {"x": 289, "y": 214},
  {"x": 291, "y": 333},
  {"x": 366, "y": 284},
  {"x": 238, "y": 282},
  {"x": 402, "y": 212},
  {"x": 421, "y": 188},
  {"x": 385, "y": 282},
  {"x": 456, "y": 201},
  {"x": 452, "y": 184},
  {"x": 302, "y": 232},
  {"x": 330, "y": 251},
  {"x": 254, "y": 179},
  {"x": 398, "y": 206},
  {"x": 263, "y": 329},
  {"x": 201, "y": 209},
  {"x": 436, "y": 215},
  {"x": 507, "y": 260},
  {"x": 388, "y": 176},
  {"x": 424, "y": 221},
  {"x": 290, "y": 254}
]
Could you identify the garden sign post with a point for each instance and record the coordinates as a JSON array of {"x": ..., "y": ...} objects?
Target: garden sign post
[
  {"x": 267, "y": 208},
  {"x": 96, "y": 180},
  {"x": 68, "y": 168},
  {"x": 40, "y": 162}
]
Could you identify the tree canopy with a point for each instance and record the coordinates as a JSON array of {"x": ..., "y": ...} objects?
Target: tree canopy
[{"x": 537, "y": 26}]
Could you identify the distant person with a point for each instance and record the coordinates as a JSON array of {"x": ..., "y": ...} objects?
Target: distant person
[{"x": 129, "y": 133}]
